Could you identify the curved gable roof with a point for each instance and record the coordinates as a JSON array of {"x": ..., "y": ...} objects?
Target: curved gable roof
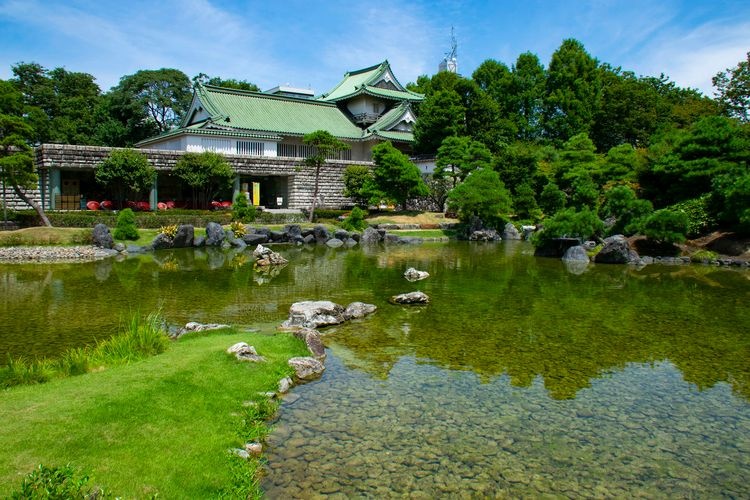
[{"x": 255, "y": 111}]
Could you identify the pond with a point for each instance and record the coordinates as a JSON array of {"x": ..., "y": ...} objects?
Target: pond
[{"x": 521, "y": 378}]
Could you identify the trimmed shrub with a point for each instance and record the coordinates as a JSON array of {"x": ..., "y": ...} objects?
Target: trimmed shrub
[
  {"x": 241, "y": 210},
  {"x": 700, "y": 220},
  {"x": 569, "y": 223},
  {"x": 355, "y": 221},
  {"x": 126, "y": 228},
  {"x": 665, "y": 226}
]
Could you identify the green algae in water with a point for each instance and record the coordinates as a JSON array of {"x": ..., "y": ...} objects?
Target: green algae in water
[{"x": 519, "y": 379}]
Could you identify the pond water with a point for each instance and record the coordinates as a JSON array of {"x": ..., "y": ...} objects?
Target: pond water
[{"x": 521, "y": 378}]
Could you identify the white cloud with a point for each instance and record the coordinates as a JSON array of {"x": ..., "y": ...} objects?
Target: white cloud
[{"x": 692, "y": 58}]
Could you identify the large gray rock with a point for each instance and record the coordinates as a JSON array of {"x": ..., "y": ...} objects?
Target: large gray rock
[
  {"x": 184, "y": 236},
  {"x": 266, "y": 257},
  {"x": 370, "y": 236},
  {"x": 341, "y": 234},
  {"x": 314, "y": 313},
  {"x": 510, "y": 232},
  {"x": 412, "y": 274},
  {"x": 484, "y": 235},
  {"x": 357, "y": 310},
  {"x": 616, "y": 250},
  {"x": 255, "y": 238},
  {"x": 161, "y": 242},
  {"x": 321, "y": 234},
  {"x": 576, "y": 254},
  {"x": 214, "y": 234},
  {"x": 410, "y": 298},
  {"x": 102, "y": 237},
  {"x": 334, "y": 243},
  {"x": 306, "y": 368}
]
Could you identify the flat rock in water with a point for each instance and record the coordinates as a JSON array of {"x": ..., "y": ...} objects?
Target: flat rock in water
[
  {"x": 314, "y": 313},
  {"x": 306, "y": 368},
  {"x": 411, "y": 298},
  {"x": 334, "y": 243},
  {"x": 412, "y": 274},
  {"x": 357, "y": 310}
]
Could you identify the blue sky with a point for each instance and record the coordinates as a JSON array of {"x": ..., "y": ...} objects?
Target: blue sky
[{"x": 312, "y": 44}]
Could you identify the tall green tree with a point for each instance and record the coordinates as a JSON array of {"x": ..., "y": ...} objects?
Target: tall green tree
[
  {"x": 17, "y": 168},
  {"x": 325, "y": 146},
  {"x": 207, "y": 173},
  {"x": 355, "y": 178},
  {"x": 441, "y": 115},
  {"x": 163, "y": 94},
  {"x": 124, "y": 171},
  {"x": 395, "y": 178},
  {"x": 529, "y": 81},
  {"x": 628, "y": 110},
  {"x": 733, "y": 90},
  {"x": 572, "y": 92},
  {"x": 59, "y": 105}
]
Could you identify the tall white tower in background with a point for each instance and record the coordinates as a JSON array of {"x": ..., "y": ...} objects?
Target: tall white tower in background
[{"x": 450, "y": 62}]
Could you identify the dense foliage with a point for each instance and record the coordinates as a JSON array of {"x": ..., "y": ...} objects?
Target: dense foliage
[
  {"x": 207, "y": 173},
  {"x": 395, "y": 178},
  {"x": 125, "y": 171}
]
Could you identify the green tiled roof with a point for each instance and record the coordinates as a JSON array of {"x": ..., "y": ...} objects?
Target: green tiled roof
[
  {"x": 362, "y": 82},
  {"x": 197, "y": 130},
  {"x": 395, "y": 135},
  {"x": 391, "y": 118},
  {"x": 254, "y": 111}
]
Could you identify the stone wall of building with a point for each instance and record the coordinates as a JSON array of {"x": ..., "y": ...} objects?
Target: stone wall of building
[{"x": 301, "y": 179}]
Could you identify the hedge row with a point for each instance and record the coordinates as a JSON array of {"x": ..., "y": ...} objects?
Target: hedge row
[{"x": 144, "y": 220}]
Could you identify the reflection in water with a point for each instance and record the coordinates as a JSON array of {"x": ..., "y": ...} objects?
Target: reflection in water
[{"x": 520, "y": 377}]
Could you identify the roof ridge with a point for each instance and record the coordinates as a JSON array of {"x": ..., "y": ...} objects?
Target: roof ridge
[
  {"x": 263, "y": 95},
  {"x": 385, "y": 63}
]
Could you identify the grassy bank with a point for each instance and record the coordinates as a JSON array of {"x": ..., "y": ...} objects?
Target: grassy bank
[{"x": 159, "y": 426}]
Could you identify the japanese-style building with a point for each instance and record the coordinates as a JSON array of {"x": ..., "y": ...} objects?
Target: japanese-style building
[
  {"x": 260, "y": 134},
  {"x": 367, "y": 107}
]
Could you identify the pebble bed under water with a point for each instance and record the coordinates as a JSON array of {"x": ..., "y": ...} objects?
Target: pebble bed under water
[{"x": 427, "y": 432}]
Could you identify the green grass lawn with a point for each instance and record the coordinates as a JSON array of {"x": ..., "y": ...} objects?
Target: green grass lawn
[{"x": 161, "y": 426}]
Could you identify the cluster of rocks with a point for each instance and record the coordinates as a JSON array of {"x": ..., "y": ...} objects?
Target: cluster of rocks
[
  {"x": 510, "y": 232},
  {"x": 24, "y": 254},
  {"x": 615, "y": 250},
  {"x": 373, "y": 236},
  {"x": 217, "y": 236}
]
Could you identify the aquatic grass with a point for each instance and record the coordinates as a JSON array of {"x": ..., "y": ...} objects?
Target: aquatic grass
[
  {"x": 64, "y": 482},
  {"x": 162, "y": 426},
  {"x": 138, "y": 339},
  {"x": 21, "y": 372}
]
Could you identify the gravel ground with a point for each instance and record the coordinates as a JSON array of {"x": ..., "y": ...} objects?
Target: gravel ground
[{"x": 52, "y": 254}]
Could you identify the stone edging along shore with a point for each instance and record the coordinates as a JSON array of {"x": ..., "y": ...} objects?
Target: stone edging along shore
[{"x": 24, "y": 254}]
